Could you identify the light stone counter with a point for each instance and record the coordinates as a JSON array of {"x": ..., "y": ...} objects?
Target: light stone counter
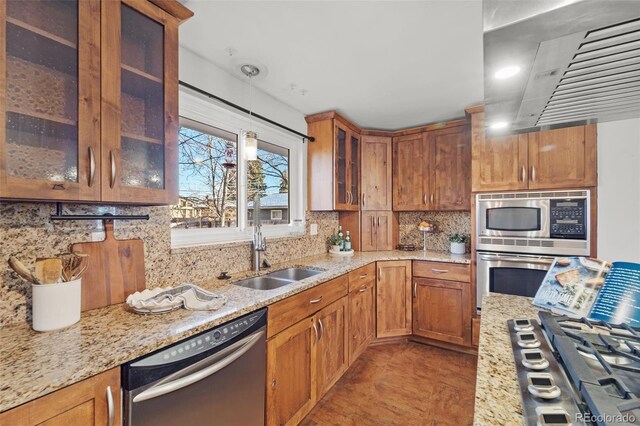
[
  {"x": 34, "y": 364},
  {"x": 497, "y": 391}
]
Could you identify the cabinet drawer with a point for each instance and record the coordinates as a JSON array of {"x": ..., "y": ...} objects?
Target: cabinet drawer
[
  {"x": 289, "y": 311},
  {"x": 442, "y": 271},
  {"x": 361, "y": 276}
]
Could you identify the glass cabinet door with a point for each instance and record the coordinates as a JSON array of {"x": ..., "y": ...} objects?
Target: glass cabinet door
[
  {"x": 141, "y": 137},
  {"x": 354, "y": 169},
  {"x": 49, "y": 114},
  {"x": 342, "y": 187}
]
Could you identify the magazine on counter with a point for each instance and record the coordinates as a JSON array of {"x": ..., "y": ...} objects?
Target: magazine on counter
[{"x": 592, "y": 288}]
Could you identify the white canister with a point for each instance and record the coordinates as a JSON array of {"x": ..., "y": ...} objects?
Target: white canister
[
  {"x": 56, "y": 306},
  {"x": 457, "y": 248}
]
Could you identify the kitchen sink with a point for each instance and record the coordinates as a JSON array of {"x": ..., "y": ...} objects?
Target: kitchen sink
[
  {"x": 263, "y": 283},
  {"x": 277, "y": 279},
  {"x": 294, "y": 274}
]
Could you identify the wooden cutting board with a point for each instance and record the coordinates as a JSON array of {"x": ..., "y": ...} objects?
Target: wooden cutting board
[{"x": 116, "y": 269}]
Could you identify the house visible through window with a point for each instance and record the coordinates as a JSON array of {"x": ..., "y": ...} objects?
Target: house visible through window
[
  {"x": 208, "y": 195},
  {"x": 218, "y": 187},
  {"x": 268, "y": 179}
]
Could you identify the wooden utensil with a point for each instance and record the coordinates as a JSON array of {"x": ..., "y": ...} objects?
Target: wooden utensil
[
  {"x": 49, "y": 270},
  {"x": 22, "y": 270},
  {"x": 115, "y": 269},
  {"x": 80, "y": 267},
  {"x": 73, "y": 265}
]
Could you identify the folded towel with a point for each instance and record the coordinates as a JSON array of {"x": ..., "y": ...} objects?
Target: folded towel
[{"x": 188, "y": 296}]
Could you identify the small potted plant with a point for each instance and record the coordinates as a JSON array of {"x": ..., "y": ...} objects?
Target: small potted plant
[
  {"x": 457, "y": 243},
  {"x": 335, "y": 242}
]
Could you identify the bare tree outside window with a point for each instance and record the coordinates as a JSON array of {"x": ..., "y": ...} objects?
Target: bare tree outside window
[
  {"x": 268, "y": 177},
  {"x": 208, "y": 178}
]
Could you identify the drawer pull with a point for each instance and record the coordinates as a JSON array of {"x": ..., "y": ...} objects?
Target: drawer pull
[
  {"x": 363, "y": 276},
  {"x": 273, "y": 384},
  {"x": 314, "y": 301},
  {"x": 362, "y": 289},
  {"x": 439, "y": 271}
]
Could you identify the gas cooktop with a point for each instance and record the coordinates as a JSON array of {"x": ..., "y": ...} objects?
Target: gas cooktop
[{"x": 576, "y": 371}]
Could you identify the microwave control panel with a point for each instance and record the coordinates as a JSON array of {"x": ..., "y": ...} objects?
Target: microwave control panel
[{"x": 568, "y": 219}]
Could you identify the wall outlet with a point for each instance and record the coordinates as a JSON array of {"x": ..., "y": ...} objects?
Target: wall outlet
[{"x": 313, "y": 229}]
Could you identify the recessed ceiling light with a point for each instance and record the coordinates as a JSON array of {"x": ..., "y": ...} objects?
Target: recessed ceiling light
[
  {"x": 507, "y": 72},
  {"x": 499, "y": 125}
]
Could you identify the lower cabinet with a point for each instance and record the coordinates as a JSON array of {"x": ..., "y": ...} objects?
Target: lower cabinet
[
  {"x": 94, "y": 401},
  {"x": 442, "y": 305},
  {"x": 361, "y": 317},
  {"x": 332, "y": 347},
  {"x": 291, "y": 361},
  {"x": 393, "y": 298}
]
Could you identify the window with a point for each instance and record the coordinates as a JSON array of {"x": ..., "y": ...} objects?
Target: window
[{"x": 219, "y": 190}]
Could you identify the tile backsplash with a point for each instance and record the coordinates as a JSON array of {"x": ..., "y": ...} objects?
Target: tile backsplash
[
  {"x": 27, "y": 232},
  {"x": 448, "y": 223}
]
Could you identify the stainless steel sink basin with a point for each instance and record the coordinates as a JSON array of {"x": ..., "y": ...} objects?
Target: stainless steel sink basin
[
  {"x": 294, "y": 274},
  {"x": 263, "y": 283}
]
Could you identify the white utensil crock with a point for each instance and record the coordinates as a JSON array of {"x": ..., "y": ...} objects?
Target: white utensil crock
[{"x": 56, "y": 306}]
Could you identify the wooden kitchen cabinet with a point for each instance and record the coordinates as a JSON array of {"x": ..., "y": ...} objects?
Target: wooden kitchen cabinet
[
  {"x": 563, "y": 158},
  {"x": 550, "y": 159},
  {"x": 291, "y": 363},
  {"x": 91, "y": 402},
  {"x": 441, "y": 310},
  {"x": 371, "y": 230},
  {"x": 361, "y": 311},
  {"x": 377, "y": 177},
  {"x": 450, "y": 168},
  {"x": 393, "y": 299},
  {"x": 88, "y": 108},
  {"x": 442, "y": 302},
  {"x": 332, "y": 348},
  {"x": 333, "y": 163},
  {"x": 411, "y": 184},
  {"x": 431, "y": 170}
]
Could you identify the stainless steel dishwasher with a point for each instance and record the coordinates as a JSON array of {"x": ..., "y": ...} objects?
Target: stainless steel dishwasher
[{"x": 214, "y": 378}]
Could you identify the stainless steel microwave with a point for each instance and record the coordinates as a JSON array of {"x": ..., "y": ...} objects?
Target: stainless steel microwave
[{"x": 546, "y": 222}]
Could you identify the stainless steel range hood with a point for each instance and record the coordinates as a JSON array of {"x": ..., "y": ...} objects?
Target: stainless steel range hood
[{"x": 579, "y": 62}]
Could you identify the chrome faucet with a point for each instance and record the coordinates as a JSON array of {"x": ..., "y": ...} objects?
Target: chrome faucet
[{"x": 258, "y": 245}]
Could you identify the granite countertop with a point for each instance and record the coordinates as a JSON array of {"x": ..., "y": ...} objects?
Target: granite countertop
[
  {"x": 34, "y": 364},
  {"x": 497, "y": 390}
]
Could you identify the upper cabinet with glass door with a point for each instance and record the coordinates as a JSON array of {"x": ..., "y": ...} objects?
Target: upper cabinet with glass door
[
  {"x": 88, "y": 100},
  {"x": 50, "y": 99},
  {"x": 333, "y": 163}
]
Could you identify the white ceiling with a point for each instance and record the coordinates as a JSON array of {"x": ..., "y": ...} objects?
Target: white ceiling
[{"x": 383, "y": 64}]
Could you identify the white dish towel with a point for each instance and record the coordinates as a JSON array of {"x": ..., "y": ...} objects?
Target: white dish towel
[{"x": 189, "y": 296}]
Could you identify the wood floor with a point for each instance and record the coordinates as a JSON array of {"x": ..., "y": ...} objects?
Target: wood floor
[{"x": 401, "y": 384}]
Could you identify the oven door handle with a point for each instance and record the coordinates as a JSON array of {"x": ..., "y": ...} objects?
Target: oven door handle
[
  {"x": 542, "y": 261},
  {"x": 173, "y": 386}
]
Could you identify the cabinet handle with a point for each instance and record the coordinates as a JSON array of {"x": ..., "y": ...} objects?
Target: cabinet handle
[
  {"x": 273, "y": 384},
  {"x": 112, "y": 158},
  {"x": 363, "y": 199},
  {"x": 431, "y": 199},
  {"x": 92, "y": 166},
  {"x": 321, "y": 328},
  {"x": 439, "y": 271},
  {"x": 533, "y": 173},
  {"x": 315, "y": 330},
  {"x": 415, "y": 288},
  {"x": 379, "y": 274},
  {"x": 314, "y": 301},
  {"x": 378, "y": 225},
  {"x": 362, "y": 289},
  {"x": 110, "y": 407},
  {"x": 424, "y": 198},
  {"x": 523, "y": 174}
]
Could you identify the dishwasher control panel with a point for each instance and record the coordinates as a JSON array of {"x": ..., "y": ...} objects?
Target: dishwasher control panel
[{"x": 201, "y": 342}]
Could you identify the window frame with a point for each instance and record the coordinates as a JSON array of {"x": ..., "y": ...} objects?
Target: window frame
[{"x": 210, "y": 113}]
